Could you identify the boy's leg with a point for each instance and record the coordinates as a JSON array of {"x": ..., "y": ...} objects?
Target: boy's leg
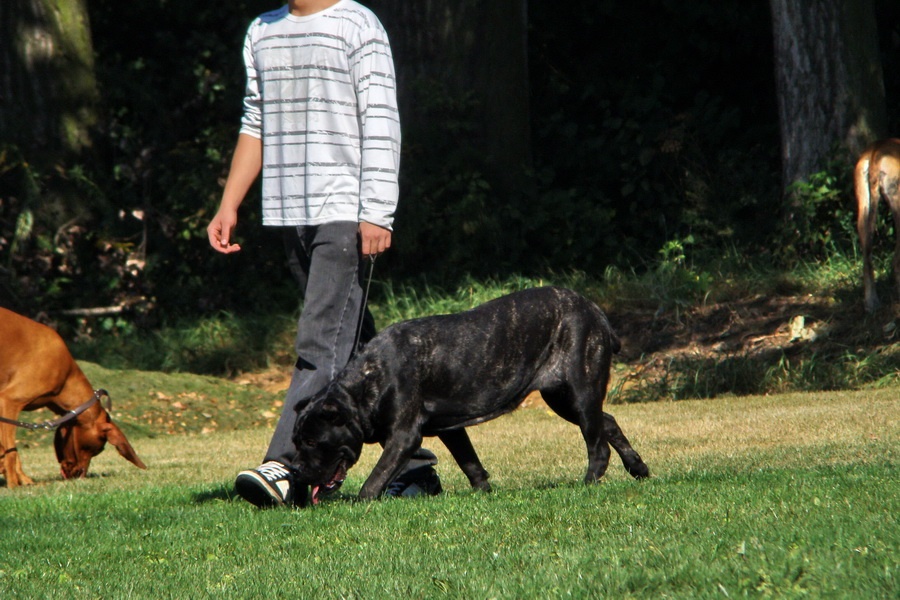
[
  {"x": 418, "y": 477},
  {"x": 327, "y": 265},
  {"x": 325, "y": 262}
]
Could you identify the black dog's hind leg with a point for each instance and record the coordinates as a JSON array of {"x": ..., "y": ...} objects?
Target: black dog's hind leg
[
  {"x": 598, "y": 449},
  {"x": 633, "y": 462},
  {"x": 584, "y": 412},
  {"x": 460, "y": 446}
]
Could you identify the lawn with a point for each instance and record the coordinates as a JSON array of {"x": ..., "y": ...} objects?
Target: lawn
[{"x": 782, "y": 496}]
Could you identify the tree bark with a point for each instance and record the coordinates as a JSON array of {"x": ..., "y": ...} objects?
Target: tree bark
[
  {"x": 829, "y": 80},
  {"x": 476, "y": 47},
  {"x": 48, "y": 90}
]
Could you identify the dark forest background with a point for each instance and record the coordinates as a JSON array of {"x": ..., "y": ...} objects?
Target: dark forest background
[{"x": 649, "y": 122}]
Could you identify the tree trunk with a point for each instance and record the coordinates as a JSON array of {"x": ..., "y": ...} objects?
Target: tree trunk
[
  {"x": 48, "y": 91},
  {"x": 829, "y": 78},
  {"x": 476, "y": 47}
]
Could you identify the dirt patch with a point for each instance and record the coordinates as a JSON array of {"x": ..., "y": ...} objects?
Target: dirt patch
[
  {"x": 765, "y": 332},
  {"x": 275, "y": 379},
  {"x": 744, "y": 327}
]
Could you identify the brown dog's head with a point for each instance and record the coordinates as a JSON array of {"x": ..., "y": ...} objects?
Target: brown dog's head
[
  {"x": 77, "y": 442},
  {"x": 329, "y": 440}
]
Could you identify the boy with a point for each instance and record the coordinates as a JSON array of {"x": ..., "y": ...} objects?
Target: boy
[{"x": 321, "y": 124}]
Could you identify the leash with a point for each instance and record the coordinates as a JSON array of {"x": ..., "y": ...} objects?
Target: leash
[
  {"x": 362, "y": 310},
  {"x": 72, "y": 414}
]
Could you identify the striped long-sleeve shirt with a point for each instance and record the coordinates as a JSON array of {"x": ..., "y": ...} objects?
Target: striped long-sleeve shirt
[{"x": 321, "y": 95}]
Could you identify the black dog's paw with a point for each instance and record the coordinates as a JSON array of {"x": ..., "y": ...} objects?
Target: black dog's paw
[{"x": 638, "y": 471}]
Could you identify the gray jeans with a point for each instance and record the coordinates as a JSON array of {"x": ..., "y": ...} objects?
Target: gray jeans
[{"x": 327, "y": 264}]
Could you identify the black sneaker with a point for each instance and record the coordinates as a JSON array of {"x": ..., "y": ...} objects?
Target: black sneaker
[
  {"x": 270, "y": 484},
  {"x": 423, "y": 481}
]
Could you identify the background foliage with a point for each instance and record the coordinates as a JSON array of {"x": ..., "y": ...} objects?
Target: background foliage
[{"x": 645, "y": 131}]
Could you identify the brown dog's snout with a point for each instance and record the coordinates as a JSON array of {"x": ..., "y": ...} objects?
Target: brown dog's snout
[
  {"x": 72, "y": 472},
  {"x": 65, "y": 442}
]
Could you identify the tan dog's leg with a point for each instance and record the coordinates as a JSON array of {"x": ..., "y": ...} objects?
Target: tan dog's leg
[
  {"x": 877, "y": 174},
  {"x": 890, "y": 185},
  {"x": 867, "y": 197},
  {"x": 896, "y": 261}
]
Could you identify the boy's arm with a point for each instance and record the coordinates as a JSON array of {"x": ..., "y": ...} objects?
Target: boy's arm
[
  {"x": 246, "y": 163},
  {"x": 372, "y": 68},
  {"x": 245, "y": 167}
]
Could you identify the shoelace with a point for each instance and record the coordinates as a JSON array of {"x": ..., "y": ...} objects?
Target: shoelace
[{"x": 273, "y": 471}]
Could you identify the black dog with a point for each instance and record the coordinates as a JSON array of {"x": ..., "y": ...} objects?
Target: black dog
[{"x": 439, "y": 375}]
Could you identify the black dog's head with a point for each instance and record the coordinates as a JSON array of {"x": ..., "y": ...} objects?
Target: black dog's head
[{"x": 328, "y": 440}]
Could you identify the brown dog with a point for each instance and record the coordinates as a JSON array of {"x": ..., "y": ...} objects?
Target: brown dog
[
  {"x": 36, "y": 370},
  {"x": 877, "y": 176}
]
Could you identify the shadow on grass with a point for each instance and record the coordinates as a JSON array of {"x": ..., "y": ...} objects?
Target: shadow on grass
[{"x": 223, "y": 492}]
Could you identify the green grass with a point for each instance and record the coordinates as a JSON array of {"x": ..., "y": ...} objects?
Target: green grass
[
  {"x": 783, "y": 496},
  {"x": 858, "y": 351}
]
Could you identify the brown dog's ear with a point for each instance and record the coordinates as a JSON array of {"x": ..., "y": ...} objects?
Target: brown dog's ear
[
  {"x": 61, "y": 443},
  {"x": 115, "y": 437}
]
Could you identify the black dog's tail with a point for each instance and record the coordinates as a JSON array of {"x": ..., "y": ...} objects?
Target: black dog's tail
[{"x": 615, "y": 344}]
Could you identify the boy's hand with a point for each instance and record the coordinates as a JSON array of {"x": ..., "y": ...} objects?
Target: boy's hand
[
  {"x": 219, "y": 232},
  {"x": 374, "y": 240}
]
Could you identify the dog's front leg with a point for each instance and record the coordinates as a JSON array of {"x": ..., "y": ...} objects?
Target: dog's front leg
[
  {"x": 460, "y": 446},
  {"x": 9, "y": 455},
  {"x": 397, "y": 451}
]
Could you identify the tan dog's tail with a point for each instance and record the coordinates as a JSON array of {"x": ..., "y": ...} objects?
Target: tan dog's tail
[{"x": 863, "y": 188}]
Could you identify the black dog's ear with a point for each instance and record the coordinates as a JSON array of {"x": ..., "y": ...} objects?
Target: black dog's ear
[
  {"x": 298, "y": 408},
  {"x": 333, "y": 412}
]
